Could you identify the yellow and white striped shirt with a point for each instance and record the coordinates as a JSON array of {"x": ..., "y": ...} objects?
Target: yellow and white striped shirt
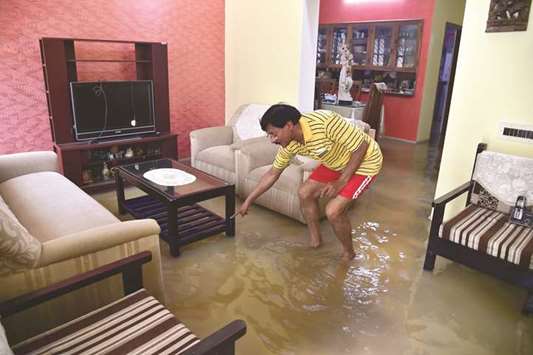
[{"x": 331, "y": 139}]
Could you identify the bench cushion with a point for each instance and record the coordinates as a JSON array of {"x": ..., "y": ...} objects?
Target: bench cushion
[
  {"x": 489, "y": 231},
  {"x": 135, "y": 324},
  {"x": 4, "y": 346}
]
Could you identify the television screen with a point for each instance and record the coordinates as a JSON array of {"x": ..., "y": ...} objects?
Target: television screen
[{"x": 112, "y": 108}]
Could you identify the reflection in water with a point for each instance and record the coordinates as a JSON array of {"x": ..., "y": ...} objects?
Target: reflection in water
[{"x": 309, "y": 295}]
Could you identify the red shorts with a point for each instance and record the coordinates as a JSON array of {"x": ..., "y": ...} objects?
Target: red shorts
[{"x": 352, "y": 190}]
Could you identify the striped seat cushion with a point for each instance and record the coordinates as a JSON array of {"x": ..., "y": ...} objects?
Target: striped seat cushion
[
  {"x": 489, "y": 231},
  {"x": 135, "y": 324}
]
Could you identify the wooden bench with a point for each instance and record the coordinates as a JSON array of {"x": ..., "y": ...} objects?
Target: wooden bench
[{"x": 134, "y": 324}]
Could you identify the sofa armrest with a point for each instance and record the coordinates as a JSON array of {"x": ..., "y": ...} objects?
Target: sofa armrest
[
  {"x": 94, "y": 239},
  {"x": 220, "y": 342},
  {"x": 307, "y": 168},
  {"x": 259, "y": 153},
  {"x": 129, "y": 267},
  {"x": 310, "y": 165},
  {"x": 209, "y": 137},
  {"x": 242, "y": 143},
  {"x": 13, "y": 165}
]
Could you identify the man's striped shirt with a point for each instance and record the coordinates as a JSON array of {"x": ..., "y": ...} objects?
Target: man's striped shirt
[{"x": 331, "y": 139}]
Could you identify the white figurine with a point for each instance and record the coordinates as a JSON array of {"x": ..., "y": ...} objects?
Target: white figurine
[
  {"x": 345, "y": 77},
  {"x": 106, "y": 173},
  {"x": 129, "y": 153}
]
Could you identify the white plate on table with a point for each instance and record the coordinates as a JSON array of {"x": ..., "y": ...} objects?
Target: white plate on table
[{"x": 169, "y": 177}]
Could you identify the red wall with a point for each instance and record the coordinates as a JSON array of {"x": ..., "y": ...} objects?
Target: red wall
[
  {"x": 401, "y": 113},
  {"x": 193, "y": 29}
]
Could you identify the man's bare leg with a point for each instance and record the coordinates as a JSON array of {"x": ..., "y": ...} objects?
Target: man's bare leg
[
  {"x": 309, "y": 192},
  {"x": 337, "y": 213}
]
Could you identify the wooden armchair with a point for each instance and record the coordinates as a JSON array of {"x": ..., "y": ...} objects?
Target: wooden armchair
[
  {"x": 481, "y": 236},
  {"x": 372, "y": 113},
  {"x": 135, "y": 324}
]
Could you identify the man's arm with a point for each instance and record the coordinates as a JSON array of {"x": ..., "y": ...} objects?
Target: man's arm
[
  {"x": 354, "y": 162},
  {"x": 266, "y": 182},
  {"x": 332, "y": 189}
]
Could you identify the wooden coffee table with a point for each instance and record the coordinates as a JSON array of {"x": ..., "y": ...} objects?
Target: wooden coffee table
[{"x": 175, "y": 208}]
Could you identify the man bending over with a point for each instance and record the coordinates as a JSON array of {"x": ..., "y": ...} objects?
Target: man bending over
[{"x": 350, "y": 161}]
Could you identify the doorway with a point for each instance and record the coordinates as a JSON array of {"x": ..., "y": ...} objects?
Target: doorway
[{"x": 448, "y": 62}]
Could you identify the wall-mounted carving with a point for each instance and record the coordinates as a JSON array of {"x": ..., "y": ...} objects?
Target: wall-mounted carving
[{"x": 508, "y": 15}]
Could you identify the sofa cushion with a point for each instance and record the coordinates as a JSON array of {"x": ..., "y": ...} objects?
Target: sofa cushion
[
  {"x": 4, "y": 346},
  {"x": 222, "y": 156},
  {"x": 135, "y": 324},
  {"x": 50, "y": 206},
  {"x": 489, "y": 231},
  {"x": 18, "y": 248},
  {"x": 288, "y": 181},
  {"x": 245, "y": 122}
]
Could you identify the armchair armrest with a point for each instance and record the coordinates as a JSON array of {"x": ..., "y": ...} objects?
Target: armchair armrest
[
  {"x": 209, "y": 137},
  {"x": 452, "y": 194},
  {"x": 220, "y": 341},
  {"x": 13, "y": 165},
  {"x": 259, "y": 153},
  {"x": 130, "y": 268},
  {"x": 242, "y": 143},
  {"x": 438, "y": 208},
  {"x": 310, "y": 165},
  {"x": 94, "y": 239},
  {"x": 307, "y": 168}
]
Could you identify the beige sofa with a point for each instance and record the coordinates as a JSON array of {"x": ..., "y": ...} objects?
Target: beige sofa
[{"x": 52, "y": 230}]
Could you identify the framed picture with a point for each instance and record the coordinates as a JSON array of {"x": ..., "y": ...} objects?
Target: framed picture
[{"x": 508, "y": 15}]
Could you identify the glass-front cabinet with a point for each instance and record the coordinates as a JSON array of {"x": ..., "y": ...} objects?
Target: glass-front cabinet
[
  {"x": 322, "y": 47},
  {"x": 339, "y": 37},
  {"x": 381, "y": 53},
  {"x": 385, "y": 51},
  {"x": 407, "y": 46},
  {"x": 359, "y": 44}
]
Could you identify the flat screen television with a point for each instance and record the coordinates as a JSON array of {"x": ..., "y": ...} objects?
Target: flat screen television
[{"x": 112, "y": 108}]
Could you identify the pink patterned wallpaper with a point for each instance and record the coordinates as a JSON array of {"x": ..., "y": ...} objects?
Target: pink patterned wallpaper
[{"x": 194, "y": 31}]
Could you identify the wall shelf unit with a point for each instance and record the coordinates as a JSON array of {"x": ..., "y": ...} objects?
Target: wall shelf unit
[{"x": 86, "y": 163}]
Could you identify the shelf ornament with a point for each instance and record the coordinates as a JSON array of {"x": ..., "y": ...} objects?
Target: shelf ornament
[
  {"x": 508, "y": 15},
  {"x": 345, "y": 77}
]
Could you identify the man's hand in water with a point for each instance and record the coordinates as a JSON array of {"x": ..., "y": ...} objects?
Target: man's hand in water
[{"x": 243, "y": 210}]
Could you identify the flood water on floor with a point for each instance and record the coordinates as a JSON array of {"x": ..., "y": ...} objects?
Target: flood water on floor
[{"x": 297, "y": 300}]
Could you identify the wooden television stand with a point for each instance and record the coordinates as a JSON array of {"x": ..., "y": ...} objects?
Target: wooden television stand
[{"x": 88, "y": 163}]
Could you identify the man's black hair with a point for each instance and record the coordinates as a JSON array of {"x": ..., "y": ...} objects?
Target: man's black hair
[{"x": 278, "y": 115}]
